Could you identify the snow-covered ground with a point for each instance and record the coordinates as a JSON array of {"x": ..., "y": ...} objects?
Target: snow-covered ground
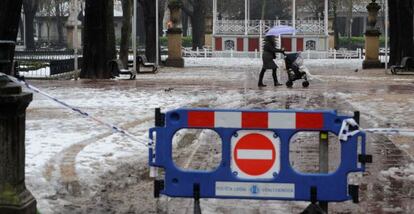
[
  {"x": 41, "y": 72},
  {"x": 75, "y": 165}
]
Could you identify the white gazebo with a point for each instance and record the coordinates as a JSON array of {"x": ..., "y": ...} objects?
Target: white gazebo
[{"x": 246, "y": 35}]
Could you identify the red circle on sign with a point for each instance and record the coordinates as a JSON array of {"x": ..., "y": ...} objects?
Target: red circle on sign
[{"x": 254, "y": 154}]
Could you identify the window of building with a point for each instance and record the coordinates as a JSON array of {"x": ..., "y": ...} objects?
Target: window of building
[
  {"x": 311, "y": 45},
  {"x": 229, "y": 45}
]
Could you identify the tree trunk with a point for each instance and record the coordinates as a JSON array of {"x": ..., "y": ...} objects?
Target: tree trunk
[
  {"x": 335, "y": 23},
  {"x": 141, "y": 26},
  {"x": 150, "y": 29},
  {"x": 30, "y": 8},
  {"x": 125, "y": 31},
  {"x": 401, "y": 30},
  {"x": 99, "y": 43},
  {"x": 9, "y": 21},
  {"x": 162, "y": 6},
  {"x": 198, "y": 24},
  {"x": 184, "y": 21},
  {"x": 111, "y": 40},
  {"x": 59, "y": 24}
]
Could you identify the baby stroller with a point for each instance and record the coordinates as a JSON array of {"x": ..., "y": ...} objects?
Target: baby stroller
[{"x": 294, "y": 69}]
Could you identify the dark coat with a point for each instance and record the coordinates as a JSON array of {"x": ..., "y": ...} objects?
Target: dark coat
[{"x": 269, "y": 53}]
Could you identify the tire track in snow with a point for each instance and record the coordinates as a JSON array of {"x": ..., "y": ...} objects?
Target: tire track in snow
[
  {"x": 61, "y": 169},
  {"x": 65, "y": 161}
]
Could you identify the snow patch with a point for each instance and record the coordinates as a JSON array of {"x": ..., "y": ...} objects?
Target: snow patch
[{"x": 400, "y": 173}]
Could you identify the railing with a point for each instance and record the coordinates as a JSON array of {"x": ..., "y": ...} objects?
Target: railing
[
  {"x": 63, "y": 66},
  {"x": 254, "y": 27},
  {"x": 48, "y": 64},
  {"x": 43, "y": 55},
  {"x": 308, "y": 54}
]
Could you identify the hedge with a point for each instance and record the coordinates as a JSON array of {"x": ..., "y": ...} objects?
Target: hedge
[
  {"x": 187, "y": 41},
  {"x": 356, "y": 42}
]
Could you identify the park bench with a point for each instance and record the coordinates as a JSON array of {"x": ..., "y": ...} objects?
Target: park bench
[
  {"x": 142, "y": 61},
  {"x": 407, "y": 64},
  {"x": 115, "y": 66}
]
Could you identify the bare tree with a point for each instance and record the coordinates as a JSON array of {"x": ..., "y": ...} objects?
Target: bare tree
[
  {"x": 150, "y": 26},
  {"x": 55, "y": 10},
  {"x": 59, "y": 22},
  {"x": 401, "y": 30},
  {"x": 314, "y": 6},
  {"x": 30, "y": 8},
  {"x": 9, "y": 22},
  {"x": 99, "y": 39},
  {"x": 127, "y": 6},
  {"x": 196, "y": 10}
]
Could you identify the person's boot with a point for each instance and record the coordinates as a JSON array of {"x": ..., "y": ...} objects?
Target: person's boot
[
  {"x": 275, "y": 81},
  {"x": 260, "y": 84},
  {"x": 261, "y": 75}
]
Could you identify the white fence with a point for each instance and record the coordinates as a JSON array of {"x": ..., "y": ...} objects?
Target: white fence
[{"x": 308, "y": 54}]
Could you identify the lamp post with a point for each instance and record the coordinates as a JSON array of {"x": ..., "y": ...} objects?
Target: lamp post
[
  {"x": 326, "y": 23},
  {"x": 24, "y": 30},
  {"x": 386, "y": 35},
  {"x": 157, "y": 32},
  {"x": 294, "y": 16},
  {"x": 134, "y": 37},
  {"x": 75, "y": 36}
]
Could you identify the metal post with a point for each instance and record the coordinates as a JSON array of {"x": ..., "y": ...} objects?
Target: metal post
[
  {"x": 386, "y": 36},
  {"x": 157, "y": 34},
  {"x": 248, "y": 10},
  {"x": 324, "y": 160},
  {"x": 279, "y": 55},
  {"x": 214, "y": 24},
  {"x": 214, "y": 16},
  {"x": 75, "y": 37},
  {"x": 24, "y": 30},
  {"x": 326, "y": 24},
  {"x": 279, "y": 41},
  {"x": 134, "y": 37},
  {"x": 245, "y": 18},
  {"x": 261, "y": 33},
  {"x": 294, "y": 16}
]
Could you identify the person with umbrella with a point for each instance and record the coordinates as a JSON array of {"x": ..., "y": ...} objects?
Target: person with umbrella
[{"x": 269, "y": 53}]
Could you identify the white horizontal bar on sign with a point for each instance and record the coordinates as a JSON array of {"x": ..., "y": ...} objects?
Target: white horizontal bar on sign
[
  {"x": 255, "y": 190},
  {"x": 254, "y": 154},
  {"x": 227, "y": 119},
  {"x": 282, "y": 121}
]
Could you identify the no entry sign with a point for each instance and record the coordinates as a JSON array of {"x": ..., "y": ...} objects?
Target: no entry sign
[{"x": 255, "y": 154}]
